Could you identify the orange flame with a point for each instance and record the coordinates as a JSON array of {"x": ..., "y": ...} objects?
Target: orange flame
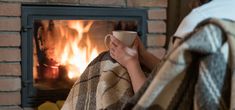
[{"x": 78, "y": 50}]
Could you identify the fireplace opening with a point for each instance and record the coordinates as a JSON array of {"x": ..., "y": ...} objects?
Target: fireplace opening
[
  {"x": 58, "y": 42},
  {"x": 62, "y": 49}
]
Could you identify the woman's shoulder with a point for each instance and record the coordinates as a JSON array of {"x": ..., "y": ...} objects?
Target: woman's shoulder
[
  {"x": 188, "y": 23},
  {"x": 215, "y": 5}
]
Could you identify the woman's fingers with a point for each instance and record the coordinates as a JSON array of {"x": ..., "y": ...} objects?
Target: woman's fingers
[
  {"x": 116, "y": 45},
  {"x": 112, "y": 55},
  {"x": 116, "y": 42},
  {"x": 136, "y": 44},
  {"x": 112, "y": 52},
  {"x": 113, "y": 45},
  {"x": 113, "y": 48}
]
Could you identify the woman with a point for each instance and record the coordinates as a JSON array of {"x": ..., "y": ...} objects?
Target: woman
[{"x": 131, "y": 58}]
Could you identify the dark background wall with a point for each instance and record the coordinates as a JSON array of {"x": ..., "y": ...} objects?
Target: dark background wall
[{"x": 176, "y": 11}]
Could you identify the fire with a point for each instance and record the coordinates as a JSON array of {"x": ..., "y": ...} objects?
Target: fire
[{"x": 77, "y": 51}]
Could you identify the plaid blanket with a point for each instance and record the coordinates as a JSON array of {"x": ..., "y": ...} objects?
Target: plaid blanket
[
  {"x": 105, "y": 84},
  {"x": 199, "y": 74}
]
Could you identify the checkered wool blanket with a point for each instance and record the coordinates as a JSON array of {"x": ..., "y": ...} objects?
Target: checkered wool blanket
[
  {"x": 104, "y": 84},
  {"x": 199, "y": 74}
]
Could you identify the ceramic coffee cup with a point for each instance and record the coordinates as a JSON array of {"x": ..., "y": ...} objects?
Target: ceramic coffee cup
[{"x": 126, "y": 37}]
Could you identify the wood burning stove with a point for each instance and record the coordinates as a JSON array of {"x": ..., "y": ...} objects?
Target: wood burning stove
[{"x": 53, "y": 35}]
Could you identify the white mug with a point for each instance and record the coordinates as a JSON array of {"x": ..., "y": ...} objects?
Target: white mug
[{"x": 126, "y": 37}]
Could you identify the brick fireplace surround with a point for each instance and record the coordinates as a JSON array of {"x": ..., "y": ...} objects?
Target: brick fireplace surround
[{"x": 10, "y": 39}]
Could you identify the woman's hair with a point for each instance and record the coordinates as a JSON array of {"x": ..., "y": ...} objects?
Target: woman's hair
[
  {"x": 204, "y": 1},
  {"x": 196, "y": 3}
]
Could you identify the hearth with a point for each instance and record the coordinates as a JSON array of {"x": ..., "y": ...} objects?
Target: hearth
[{"x": 58, "y": 42}]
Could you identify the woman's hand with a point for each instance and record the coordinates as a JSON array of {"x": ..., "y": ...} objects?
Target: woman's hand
[
  {"x": 146, "y": 58},
  {"x": 141, "y": 49},
  {"x": 122, "y": 53},
  {"x": 128, "y": 57}
]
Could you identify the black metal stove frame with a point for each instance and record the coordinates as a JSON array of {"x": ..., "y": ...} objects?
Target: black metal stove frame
[{"x": 30, "y": 95}]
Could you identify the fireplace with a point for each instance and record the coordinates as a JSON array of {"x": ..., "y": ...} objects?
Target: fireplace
[{"x": 58, "y": 42}]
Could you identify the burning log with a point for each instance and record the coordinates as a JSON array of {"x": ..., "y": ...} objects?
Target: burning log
[{"x": 126, "y": 25}]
